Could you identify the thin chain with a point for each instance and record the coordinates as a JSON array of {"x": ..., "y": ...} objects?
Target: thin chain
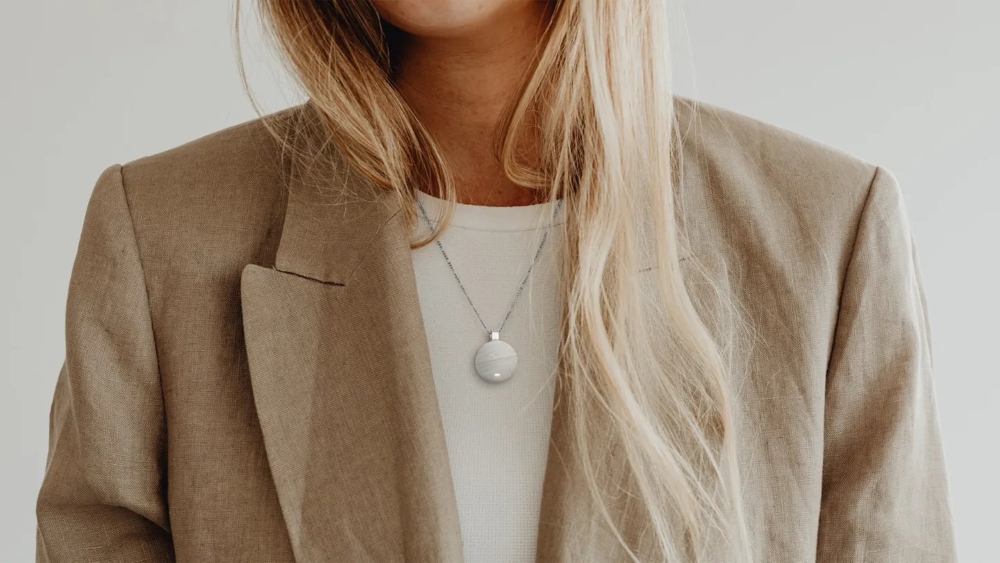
[{"x": 525, "y": 281}]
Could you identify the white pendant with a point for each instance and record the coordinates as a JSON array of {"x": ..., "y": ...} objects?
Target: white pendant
[{"x": 496, "y": 360}]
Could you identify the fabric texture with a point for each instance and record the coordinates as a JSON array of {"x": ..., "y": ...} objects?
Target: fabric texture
[
  {"x": 248, "y": 376},
  {"x": 497, "y": 433}
]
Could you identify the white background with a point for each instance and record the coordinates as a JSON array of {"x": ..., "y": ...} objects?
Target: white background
[{"x": 911, "y": 85}]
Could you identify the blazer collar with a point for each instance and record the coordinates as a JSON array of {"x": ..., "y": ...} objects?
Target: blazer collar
[
  {"x": 334, "y": 216},
  {"x": 342, "y": 383}
]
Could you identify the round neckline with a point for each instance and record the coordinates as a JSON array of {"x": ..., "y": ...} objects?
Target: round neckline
[{"x": 493, "y": 218}]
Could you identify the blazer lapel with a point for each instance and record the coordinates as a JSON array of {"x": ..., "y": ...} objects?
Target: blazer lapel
[{"x": 342, "y": 381}]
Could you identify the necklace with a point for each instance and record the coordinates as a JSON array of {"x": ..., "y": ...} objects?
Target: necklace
[{"x": 495, "y": 360}]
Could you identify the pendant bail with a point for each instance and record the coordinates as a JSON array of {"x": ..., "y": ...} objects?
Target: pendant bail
[{"x": 495, "y": 335}]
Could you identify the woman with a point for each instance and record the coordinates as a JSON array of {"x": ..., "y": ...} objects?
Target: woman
[{"x": 493, "y": 294}]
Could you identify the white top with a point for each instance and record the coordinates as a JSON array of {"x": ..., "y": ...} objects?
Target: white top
[{"x": 497, "y": 433}]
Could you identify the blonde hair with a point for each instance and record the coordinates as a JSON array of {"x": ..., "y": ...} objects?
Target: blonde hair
[{"x": 650, "y": 404}]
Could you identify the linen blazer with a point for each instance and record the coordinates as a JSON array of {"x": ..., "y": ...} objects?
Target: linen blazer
[{"x": 247, "y": 375}]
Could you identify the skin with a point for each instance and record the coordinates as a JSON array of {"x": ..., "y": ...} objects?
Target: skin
[{"x": 460, "y": 62}]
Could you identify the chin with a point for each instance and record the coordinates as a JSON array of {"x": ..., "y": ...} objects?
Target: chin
[{"x": 444, "y": 18}]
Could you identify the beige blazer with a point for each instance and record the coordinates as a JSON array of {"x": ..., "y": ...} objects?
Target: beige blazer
[{"x": 247, "y": 375}]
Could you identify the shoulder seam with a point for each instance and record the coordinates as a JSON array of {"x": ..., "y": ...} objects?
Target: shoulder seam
[
  {"x": 850, "y": 259},
  {"x": 145, "y": 282},
  {"x": 861, "y": 217}
]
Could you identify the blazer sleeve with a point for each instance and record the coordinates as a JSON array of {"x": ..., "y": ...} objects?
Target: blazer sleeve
[
  {"x": 103, "y": 494},
  {"x": 885, "y": 496}
]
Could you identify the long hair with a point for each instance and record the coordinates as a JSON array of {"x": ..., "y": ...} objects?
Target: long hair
[{"x": 649, "y": 393}]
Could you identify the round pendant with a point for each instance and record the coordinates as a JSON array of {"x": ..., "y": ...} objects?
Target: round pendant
[{"x": 496, "y": 360}]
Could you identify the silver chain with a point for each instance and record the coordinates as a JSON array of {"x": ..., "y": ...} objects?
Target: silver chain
[{"x": 525, "y": 281}]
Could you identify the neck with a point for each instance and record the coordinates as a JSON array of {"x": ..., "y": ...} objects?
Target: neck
[{"x": 459, "y": 86}]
